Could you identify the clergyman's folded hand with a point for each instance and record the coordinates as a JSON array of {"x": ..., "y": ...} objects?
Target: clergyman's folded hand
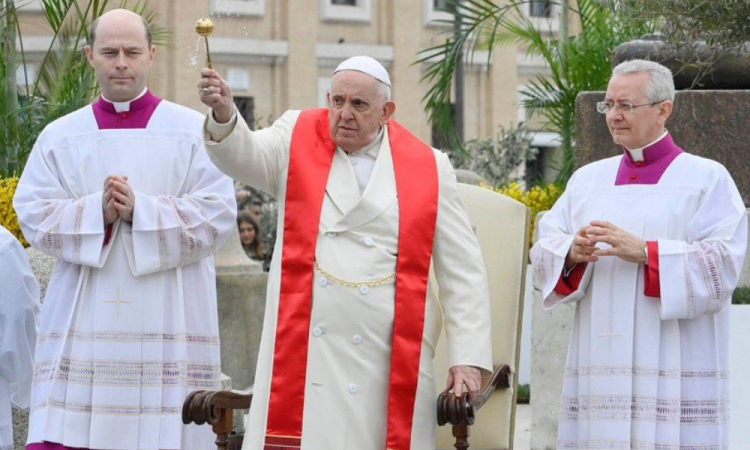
[
  {"x": 123, "y": 196},
  {"x": 108, "y": 204}
]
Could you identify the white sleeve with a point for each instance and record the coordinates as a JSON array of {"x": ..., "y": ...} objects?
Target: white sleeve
[
  {"x": 173, "y": 231},
  {"x": 19, "y": 311},
  {"x": 459, "y": 271},
  {"x": 698, "y": 276},
  {"x": 548, "y": 255},
  {"x": 55, "y": 222},
  {"x": 256, "y": 158}
]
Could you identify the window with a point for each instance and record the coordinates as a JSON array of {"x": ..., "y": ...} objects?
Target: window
[
  {"x": 30, "y": 6},
  {"x": 346, "y": 10},
  {"x": 246, "y": 108},
  {"x": 324, "y": 85},
  {"x": 540, "y": 8},
  {"x": 239, "y": 7},
  {"x": 433, "y": 13}
]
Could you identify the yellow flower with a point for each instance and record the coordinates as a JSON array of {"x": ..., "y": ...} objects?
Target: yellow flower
[
  {"x": 537, "y": 199},
  {"x": 8, "y": 217}
]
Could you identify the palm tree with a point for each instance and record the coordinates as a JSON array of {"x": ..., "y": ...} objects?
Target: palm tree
[
  {"x": 65, "y": 83},
  {"x": 576, "y": 63}
]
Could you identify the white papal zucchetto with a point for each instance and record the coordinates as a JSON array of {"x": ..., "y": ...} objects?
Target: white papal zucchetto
[{"x": 365, "y": 64}]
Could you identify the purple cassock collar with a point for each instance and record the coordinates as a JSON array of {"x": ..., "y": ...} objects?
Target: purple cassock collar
[
  {"x": 657, "y": 158},
  {"x": 139, "y": 115}
]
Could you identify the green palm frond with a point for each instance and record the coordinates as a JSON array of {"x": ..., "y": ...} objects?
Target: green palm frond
[
  {"x": 65, "y": 80},
  {"x": 575, "y": 64}
]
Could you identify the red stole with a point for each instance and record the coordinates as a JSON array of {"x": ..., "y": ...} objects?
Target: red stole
[{"x": 310, "y": 159}]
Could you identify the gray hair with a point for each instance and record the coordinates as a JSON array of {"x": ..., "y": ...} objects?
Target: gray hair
[
  {"x": 660, "y": 86},
  {"x": 383, "y": 89}
]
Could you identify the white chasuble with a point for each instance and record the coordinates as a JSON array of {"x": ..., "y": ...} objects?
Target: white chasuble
[
  {"x": 129, "y": 327},
  {"x": 645, "y": 372}
]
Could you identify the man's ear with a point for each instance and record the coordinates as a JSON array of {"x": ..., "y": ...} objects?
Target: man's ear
[
  {"x": 152, "y": 53},
  {"x": 89, "y": 54},
  {"x": 665, "y": 110},
  {"x": 388, "y": 110}
]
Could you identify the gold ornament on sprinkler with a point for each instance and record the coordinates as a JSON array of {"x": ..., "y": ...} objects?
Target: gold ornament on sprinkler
[{"x": 205, "y": 27}]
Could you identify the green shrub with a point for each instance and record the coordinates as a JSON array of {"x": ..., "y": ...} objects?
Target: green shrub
[{"x": 741, "y": 296}]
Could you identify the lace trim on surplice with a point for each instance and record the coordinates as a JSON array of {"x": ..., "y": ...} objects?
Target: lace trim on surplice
[
  {"x": 611, "y": 444},
  {"x": 129, "y": 373},
  {"x": 128, "y": 336},
  {"x": 627, "y": 371},
  {"x": 107, "y": 408},
  {"x": 641, "y": 408}
]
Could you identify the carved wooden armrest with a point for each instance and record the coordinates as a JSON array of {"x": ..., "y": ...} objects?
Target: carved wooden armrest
[
  {"x": 458, "y": 411},
  {"x": 217, "y": 409}
]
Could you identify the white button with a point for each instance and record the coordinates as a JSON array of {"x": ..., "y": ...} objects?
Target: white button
[
  {"x": 354, "y": 163},
  {"x": 331, "y": 234},
  {"x": 353, "y": 388},
  {"x": 357, "y": 339},
  {"x": 369, "y": 242},
  {"x": 364, "y": 290},
  {"x": 323, "y": 281},
  {"x": 317, "y": 332}
]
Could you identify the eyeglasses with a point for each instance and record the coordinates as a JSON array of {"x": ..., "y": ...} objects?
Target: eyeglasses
[{"x": 605, "y": 107}]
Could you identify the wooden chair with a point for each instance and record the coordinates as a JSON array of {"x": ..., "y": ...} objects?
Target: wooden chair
[{"x": 501, "y": 225}]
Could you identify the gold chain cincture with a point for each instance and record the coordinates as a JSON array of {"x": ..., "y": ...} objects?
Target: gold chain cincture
[{"x": 355, "y": 284}]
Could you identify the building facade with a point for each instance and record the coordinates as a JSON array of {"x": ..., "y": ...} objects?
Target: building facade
[{"x": 280, "y": 54}]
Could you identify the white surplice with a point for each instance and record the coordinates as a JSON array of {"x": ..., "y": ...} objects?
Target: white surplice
[
  {"x": 19, "y": 309},
  {"x": 128, "y": 329},
  {"x": 643, "y": 372}
]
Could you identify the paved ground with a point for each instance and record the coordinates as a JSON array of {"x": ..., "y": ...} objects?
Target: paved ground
[{"x": 522, "y": 438}]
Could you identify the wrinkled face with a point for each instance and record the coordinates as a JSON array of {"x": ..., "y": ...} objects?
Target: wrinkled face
[
  {"x": 644, "y": 124},
  {"x": 121, "y": 57},
  {"x": 247, "y": 233},
  {"x": 357, "y": 110}
]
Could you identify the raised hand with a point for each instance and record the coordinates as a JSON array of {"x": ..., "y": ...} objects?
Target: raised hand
[
  {"x": 215, "y": 93},
  {"x": 624, "y": 245}
]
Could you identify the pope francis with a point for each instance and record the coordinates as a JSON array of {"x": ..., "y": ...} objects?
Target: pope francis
[{"x": 375, "y": 252}]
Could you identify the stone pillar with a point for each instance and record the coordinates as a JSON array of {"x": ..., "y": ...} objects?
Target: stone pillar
[
  {"x": 241, "y": 290},
  {"x": 550, "y": 334}
]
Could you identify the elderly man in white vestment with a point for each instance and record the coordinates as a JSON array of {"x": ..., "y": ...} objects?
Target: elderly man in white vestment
[
  {"x": 19, "y": 309},
  {"x": 648, "y": 246},
  {"x": 352, "y": 316},
  {"x": 123, "y": 194}
]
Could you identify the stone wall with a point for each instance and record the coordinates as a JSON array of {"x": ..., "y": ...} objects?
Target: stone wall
[{"x": 712, "y": 124}]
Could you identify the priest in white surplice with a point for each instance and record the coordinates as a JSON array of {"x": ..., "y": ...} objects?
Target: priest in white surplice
[
  {"x": 648, "y": 246},
  {"x": 351, "y": 324},
  {"x": 123, "y": 194},
  {"x": 19, "y": 309}
]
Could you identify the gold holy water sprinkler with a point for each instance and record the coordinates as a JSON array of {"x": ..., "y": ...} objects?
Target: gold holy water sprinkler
[{"x": 205, "y": 27}]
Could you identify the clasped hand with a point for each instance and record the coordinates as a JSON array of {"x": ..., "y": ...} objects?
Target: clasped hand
[
  {"x": 623, "y": 244},
  {"x": 119, "y": 199}
]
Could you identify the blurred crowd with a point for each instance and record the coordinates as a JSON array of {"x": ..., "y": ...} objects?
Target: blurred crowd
[{"x": 256, "y": 221}]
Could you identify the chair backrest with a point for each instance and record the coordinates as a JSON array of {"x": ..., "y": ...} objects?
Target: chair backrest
[{"x": 501, "y": 225}]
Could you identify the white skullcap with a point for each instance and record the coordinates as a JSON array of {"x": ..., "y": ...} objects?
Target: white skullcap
[{"x": 367, "y": 65}]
